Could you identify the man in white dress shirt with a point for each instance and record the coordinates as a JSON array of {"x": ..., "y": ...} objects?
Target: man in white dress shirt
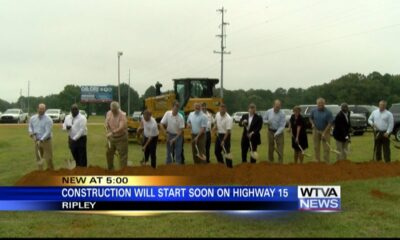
[
  {"x": 149, "y": 129},
  {"x": 75, "y": 125},
  {"x": 223, "y": 127},
  {"x": 382, "y": 121},
  {"x": 173, "y": 124},
  {"x": 275, "y": 118},
  {"x": 210, "y": 123}
]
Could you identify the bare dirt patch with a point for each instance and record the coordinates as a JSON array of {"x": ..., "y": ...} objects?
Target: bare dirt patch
[{"x": 263, "y": 173}]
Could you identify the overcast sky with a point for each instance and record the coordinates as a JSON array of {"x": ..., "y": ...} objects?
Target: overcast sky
[{"x": 274, "y": 43}]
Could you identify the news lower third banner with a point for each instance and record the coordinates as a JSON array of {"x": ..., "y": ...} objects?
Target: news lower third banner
[{"x": 120, "y": 193}]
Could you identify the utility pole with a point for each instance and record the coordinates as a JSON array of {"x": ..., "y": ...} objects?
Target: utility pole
[
  {"x": 223, "y": 47},
  {"x": 20, "y": 98},
  {"x": 129, "y": 93},
  {"x": 119, "y": 88},
  {"x": 29, "y": 86}
]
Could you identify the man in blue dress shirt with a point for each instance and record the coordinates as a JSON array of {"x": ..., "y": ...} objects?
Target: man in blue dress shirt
[
  {"x": 321, "y": 121},
  {"x": 275, "y": 118},
  {"x": 40, "y": 127},
  {"x": 197, "y": 122}
]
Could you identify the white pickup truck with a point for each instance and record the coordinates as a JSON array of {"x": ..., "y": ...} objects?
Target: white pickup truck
[
  {"x": 14, "y": 115},
  {"x": 57, "y": 115}
]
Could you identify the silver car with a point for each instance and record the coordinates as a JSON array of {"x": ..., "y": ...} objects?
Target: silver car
[
  {"x": 288, "y": 113},
  {"x": 14, "y": 115},
  {"x": 57, "y": 115},
  {"x": 237, "y": 116}
]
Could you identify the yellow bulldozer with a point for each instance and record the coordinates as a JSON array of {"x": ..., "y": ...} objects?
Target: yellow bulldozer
[{"x": 187, "y": 91}]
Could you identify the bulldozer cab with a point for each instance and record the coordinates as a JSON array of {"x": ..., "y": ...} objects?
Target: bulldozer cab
[
  {"x": 191, "y": 90},
  {"x": 187, "y": 91}
]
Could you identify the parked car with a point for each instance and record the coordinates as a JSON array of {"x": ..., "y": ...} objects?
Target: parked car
[
  {"x": 14, "y": 115},
  {"x": 137, "y": 116},
  {"x": 57, "y": 115},
  {"x": 358, "y": 121},
  {"x": 261, "y": 113},
  {"x": 306, "y": 111},
  {"x": 83, "y": 112},
  {"x": 363, "y": 109},
  {"x": 237, "y": 116},
  {"x": 288, "y": 113},
  {"x": 395, "y": 110}
]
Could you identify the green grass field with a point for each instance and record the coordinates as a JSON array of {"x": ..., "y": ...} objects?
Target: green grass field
[{"x": 363, "y": 215}]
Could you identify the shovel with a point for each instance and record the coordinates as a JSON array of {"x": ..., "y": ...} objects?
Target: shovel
[
  {"x": 302, "y": 150},
  {"x": 172, "y": 146},
  {"x": 70, "y": 163},
  {"x": 275, "y": 147},
  {"x": 253, "y": 154},
  {"x": 348, "y": 148},
  {"x": 376, "y": 135},
  {"x": 143, "y": 162},
  {"x": 226, "y": 154},
  {"x": 129, "y": 163},
  {"x": 41, "y": 160},
  {"x": 228, "y": 158},
  {"x": 108, "y": 140},
  {"x": 200, "y": 156},
  {"x": 330, "y": 148}
]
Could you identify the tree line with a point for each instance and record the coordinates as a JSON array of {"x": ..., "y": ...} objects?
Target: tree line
[{"x": 353, "y": 88}]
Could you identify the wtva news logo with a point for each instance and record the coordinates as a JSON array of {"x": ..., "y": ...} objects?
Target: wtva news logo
[{"x": 319, "y": 198}]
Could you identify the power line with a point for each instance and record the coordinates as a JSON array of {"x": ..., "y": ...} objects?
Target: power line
[
  {"x": 183, "y": 53},
  {"x": 289, "y": 13},
  {"x": 344, "y": 17},
  {"x": 318, "y": 43},
  {"x": 223, "y": 47}
]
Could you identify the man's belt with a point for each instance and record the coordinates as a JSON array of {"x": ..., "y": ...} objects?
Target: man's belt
[
  {"x": 272, "y": 130},
  {"x": 120, "y": 136},
  {"x": 78, "y": 138}
]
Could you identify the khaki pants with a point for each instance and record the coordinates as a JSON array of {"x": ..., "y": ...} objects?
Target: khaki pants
[
  {"x": 201, "y": 144},
  {"x": 317, "y": 145},
  {"x": 46, "y": 151},
  {"x": 271, "y": 146},
  {"x": 343, "y": 148},
  {"x": 119, "y": 144},
  {"x": 382, "y": 142}
]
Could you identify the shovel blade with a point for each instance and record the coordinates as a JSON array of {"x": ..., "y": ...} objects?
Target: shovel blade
[
  {"x": 201, "y": 157},
  {"x": 70, "y": 164},
  {"x": 41, "y": 161},
  {"x": 254, "y": 155},
  {"x": 228, "y": 156}
]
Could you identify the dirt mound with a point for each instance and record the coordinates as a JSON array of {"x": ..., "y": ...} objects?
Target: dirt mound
[
  {"x": 382, "y": 195},
  {"x": 263, "y": 173}
]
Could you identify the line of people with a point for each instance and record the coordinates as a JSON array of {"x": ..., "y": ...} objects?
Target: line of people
[
  {"x": 202, "y": 125},
  {"x": 322, "y": 121}
]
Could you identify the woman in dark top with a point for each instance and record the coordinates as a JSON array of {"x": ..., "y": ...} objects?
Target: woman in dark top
[{"x": 297, "y": 127}]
